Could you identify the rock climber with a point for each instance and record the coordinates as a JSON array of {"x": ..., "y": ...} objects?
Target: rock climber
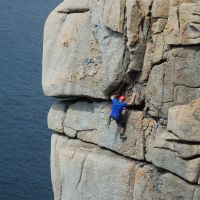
[{"x": 118, "y": 105}]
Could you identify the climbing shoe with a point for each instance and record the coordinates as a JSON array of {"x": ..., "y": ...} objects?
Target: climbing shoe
[{"x": 123, "y": 136}]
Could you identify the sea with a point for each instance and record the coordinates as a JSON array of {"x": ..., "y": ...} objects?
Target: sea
[{"x": 24, "y": 136}]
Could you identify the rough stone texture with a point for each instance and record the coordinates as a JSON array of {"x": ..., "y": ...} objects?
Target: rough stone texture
[
  {"x": 82, "y": 42},
  {"x": 82, "y": 171},
  {"x": 56, "y": 116},
  {"x": 183, "y": 23},
  {"x": 88, "y": 121},
  {"x": 145, "y": 6},
  {"x": 70, "y": 6},
  {"x": 167, "y": 153},
  {"x": 72, "y": 59},
  {"x": 160, "y": 8},
  {"x": 153, "y": 184},
  {"x": 178, "y": 148},
  {"x": 111, "y": 42},
  {"x": 180, "y": 69},
  {"x": 135, "y": 36},
  {"x": 113, "y": 15},
  {"x": 184, "y": 121}
]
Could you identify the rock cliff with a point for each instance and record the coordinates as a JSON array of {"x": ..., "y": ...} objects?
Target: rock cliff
[{"x": 95, "y": 48}]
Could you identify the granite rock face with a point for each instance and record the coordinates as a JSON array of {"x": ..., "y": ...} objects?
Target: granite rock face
[
  {"x": 153, "y": 184},
  {"x": 56, "y": 116},
  {"x": 174, "y": 81},
  {"x": 177, "y": 148},
  {"x": 184, "y": 121},
  {"x": 95, "y": 48},
  {"x": 90, "y": 50},
  {"x": 88, "y": 121},
  {"x": 83, "y": 171}
]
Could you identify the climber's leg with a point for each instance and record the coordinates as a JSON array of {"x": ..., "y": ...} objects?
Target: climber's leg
[
  {"x": 122, "y": 125},
  {"x": 108, "y": 123}
]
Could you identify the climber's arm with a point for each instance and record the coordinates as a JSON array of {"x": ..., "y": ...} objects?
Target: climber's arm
[
  {"x": 113, "y": 96},
  {"x": 131, "y": 102}
]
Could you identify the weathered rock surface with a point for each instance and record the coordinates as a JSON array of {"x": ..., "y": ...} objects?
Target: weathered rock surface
[
  {"x": 86, "y": 52},
  {"x": 72, "y": 57},
  {"x": 178, "y": 149},
  {"x": 83, "y": 171},
  {"x": 183, "y": 23},
  {"x": 70, "y": 6},
  {"x": 56, "y": 116},
  {"x": 184, "y": 121},
  {"x": 177, "y": 156},
  {"x": 181, "y": 69},
  {"x": 87, "y": 121},
  {"x": 155, "y": 184}
]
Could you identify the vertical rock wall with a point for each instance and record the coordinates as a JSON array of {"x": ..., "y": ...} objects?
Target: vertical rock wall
[{"x": 94, "y": 48}]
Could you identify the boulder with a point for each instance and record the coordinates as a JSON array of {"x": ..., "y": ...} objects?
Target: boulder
[
  {"x": 86, "y": 52},
  {"x": 71, "y": 58}
]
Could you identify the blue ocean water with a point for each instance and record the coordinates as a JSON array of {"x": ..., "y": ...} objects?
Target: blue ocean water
[{"x": 24, "y": 137}]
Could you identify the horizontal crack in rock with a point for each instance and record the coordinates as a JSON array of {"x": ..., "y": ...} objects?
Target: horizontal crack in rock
[{"x": 81, "y": 10}]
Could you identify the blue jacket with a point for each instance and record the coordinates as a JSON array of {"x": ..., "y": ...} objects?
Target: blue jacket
[{"x": 117, "y": 107}]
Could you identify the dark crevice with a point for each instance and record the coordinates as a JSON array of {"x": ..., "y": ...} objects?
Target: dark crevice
[
  {"x": 164, "y": 171},
  {"x": 139, "y": 107},
  {"x": 177, "y": 46},
  {"x": 81, "y": 174},
  {"x": 188, "y": 158},
  {"x": 159, "y": 119},
  {"x": 105, "y": 148},
  {"x": 178, "y": 18},
  {"x": 181, "y": 141},
  {"x": 193, "y": 87},
  {"x": 119, "y": 88},
  {"x": 78, "y": 10},
  {"x": 171, "y": 101},
  {"x": 163, "y": 60},
  {"x": 119, "y": 154},
  {"x": 165, "y": 149},
  {"x": 113, "y": 32},
  {"x": 74, "y": 99}
]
